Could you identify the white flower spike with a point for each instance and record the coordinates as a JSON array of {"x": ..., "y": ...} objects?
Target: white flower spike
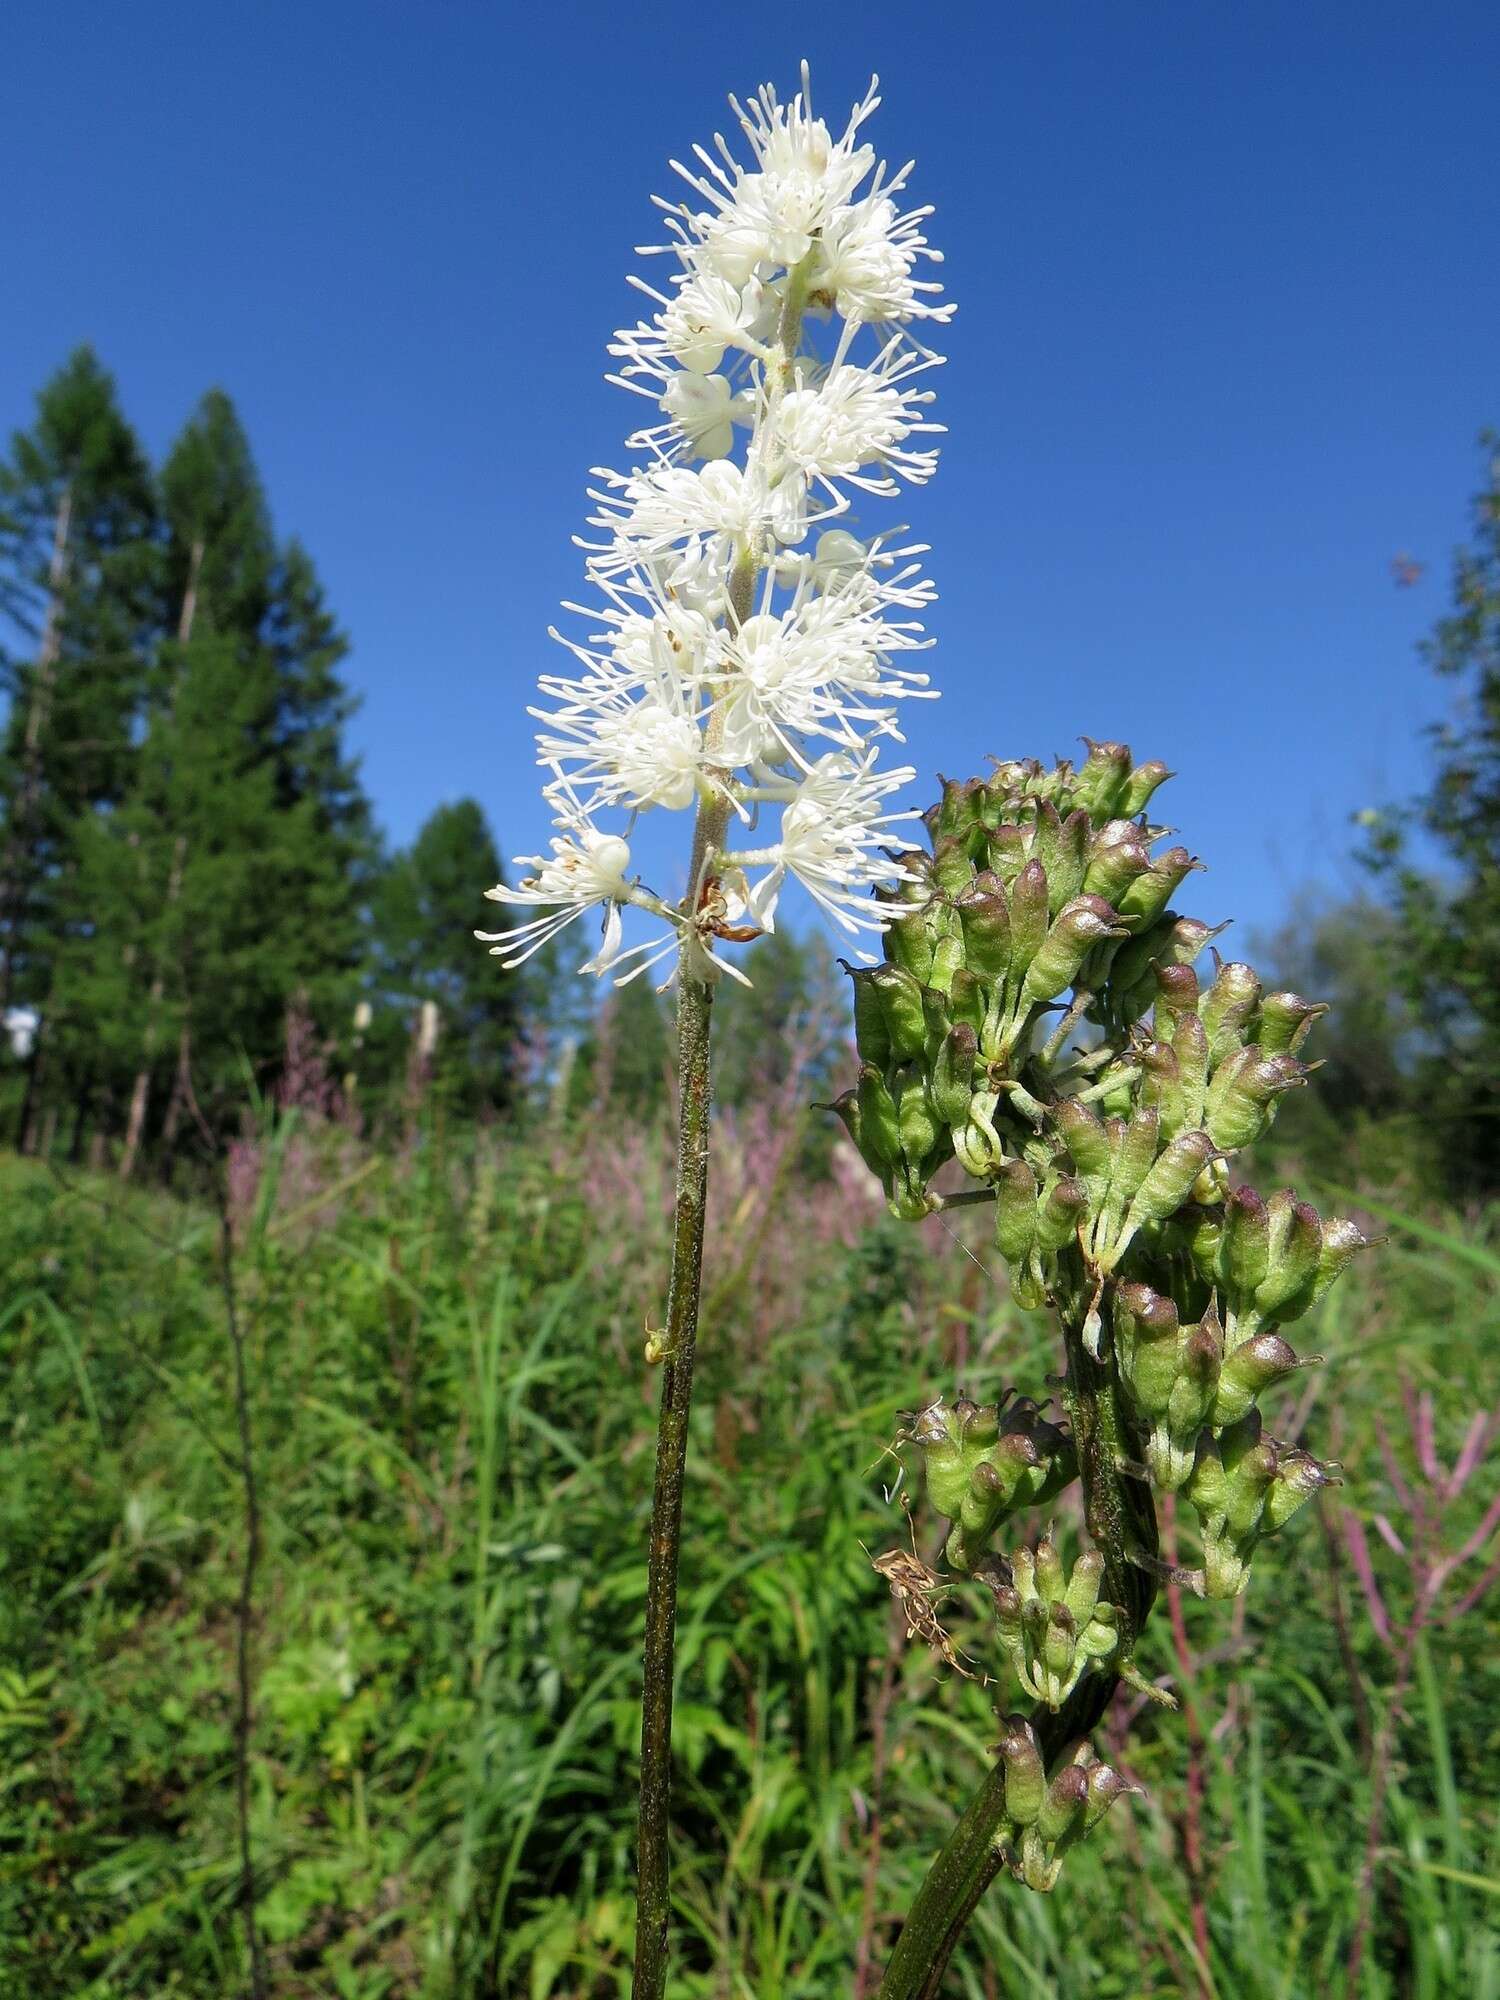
[{"x": 741, "y": 657}]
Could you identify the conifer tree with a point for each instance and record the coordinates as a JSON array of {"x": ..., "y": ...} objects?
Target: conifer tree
[
  {"x": 427, "y": 909},
  {"x": 77, "y": 576}
]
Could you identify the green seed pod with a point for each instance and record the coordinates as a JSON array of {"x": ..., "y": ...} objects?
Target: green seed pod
[
  {"x": 953, "y": 1074},
  {"x": 1244, "y": 1256},
  {"x": 1248, "y": 1479},
  {"x": 985, "y": 916},
  {"x": 1283, "y": 1021},
  {"x": 1161, "y": 1085},
  {"x": 1117, "y": 857},
  {"x": 1298, "y": 1477},
  {"x": 920, "y": 1128},
  {"x": 1149, "y": 894},
  {"x": 1074, "y": 933},
  {"x": 1294, "y": 1246},
  {"x": 966, "y": 999},
  {"x": 871, "y": 1036},
  {"x": 1171, "y": 1179},
  {"x": 1084, "y": 1136},
  {"x": 1061, "y": 845},
  {"x": 1062, "y": 1810},
  {"x": 879, "y": 1127},
  {"x": 1083, "y": 1586},
  {"x": 1025, "y": 1774},
  {"x": 1105, "y": 1786},
  {"x": 1244, "y": 1089},
  {"x": 1101, "y": 783},
  {"x": 1050, "y": 1581},
  {"x": 847, "y": 1107},
  {"x": 900, "y": 1000},
  {"x": 1342, "y": 1242},
  {"x": 1139, "y": 787},
  {"x": 947, "y": 960},
  {"x": 952, "y": 870},
  {"x": 1007, "y": 853},
  {"x": 1148, "y": 1341},
  {"x": 1252, "y": 1368},
  {"x": 1015, "y": 1211},
  {"x": 1064, "y": 1206},
  {"x": 1176, "y": 995},
  {"x": 1227, "y": 1007},
  {"x": 909, "y": 942},
  {"x": 1059, "y": 1641},
  {"x": 1134, "y": 1153},
  {"x": 1028, "y": 918}
]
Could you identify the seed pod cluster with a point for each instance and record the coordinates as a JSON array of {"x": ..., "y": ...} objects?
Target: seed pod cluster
[
  {"x": 1046, "y": 1019},
  {"x": 1046, "y": 1819},
  {"x": 1052, "y": 1625},
  {"x": 986, "y": 1462}
]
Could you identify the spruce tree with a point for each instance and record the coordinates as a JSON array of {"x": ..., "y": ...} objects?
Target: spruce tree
[
  {"x": 428, "y": 909},
  {"x": 77, "y": 581}
]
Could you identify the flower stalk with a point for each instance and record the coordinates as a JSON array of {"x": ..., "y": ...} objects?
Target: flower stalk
[{"x": 738, "y": 667}]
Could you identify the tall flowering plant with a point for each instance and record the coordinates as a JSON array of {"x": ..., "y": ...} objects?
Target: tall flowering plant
[{"x": 742, "y": 657}]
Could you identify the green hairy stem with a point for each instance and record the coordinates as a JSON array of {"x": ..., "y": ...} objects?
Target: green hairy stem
[
  {"x": 679, "y": 1337},
  {"x": 1121, "y": 1517}
]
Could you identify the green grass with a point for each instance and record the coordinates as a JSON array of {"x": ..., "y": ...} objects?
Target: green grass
[{"x": 453, "y": 1431}]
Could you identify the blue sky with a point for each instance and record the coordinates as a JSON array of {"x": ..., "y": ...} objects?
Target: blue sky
[{"x": 1229, "y": 322}]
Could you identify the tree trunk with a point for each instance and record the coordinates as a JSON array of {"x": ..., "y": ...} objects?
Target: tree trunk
[{"x": 31, "y": 757}]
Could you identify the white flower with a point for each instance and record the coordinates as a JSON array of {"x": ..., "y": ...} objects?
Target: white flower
[
  {"x": 744, "y": 649},
  {"x": 866, "y": 256},
  {"x": 585, "y": 868},
  {"x": 700, "y": 407},
  {"x": 855, "y": 423},
  {"x": 833, "y": 837}
]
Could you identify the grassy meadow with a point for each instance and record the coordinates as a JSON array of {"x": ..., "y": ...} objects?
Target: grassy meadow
[{"x": 451, "y": 1426}]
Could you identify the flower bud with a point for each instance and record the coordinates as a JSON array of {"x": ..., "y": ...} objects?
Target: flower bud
[
  {"x": 953, "y": 1074},
  {"x": 985, "y": 916},
  {"x": 1074, "y": 933}
]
